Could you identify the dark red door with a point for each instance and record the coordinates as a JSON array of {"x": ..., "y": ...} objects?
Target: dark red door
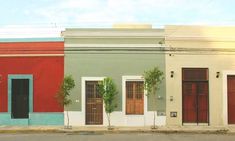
[
  {"x": 195, "y": 102},
  {"x": 202, "y": 102},
  {"x": 189, "y": 102},
  {"x": 231, "y": 99},
  {"x": 195, "y": 95},
  {"x": 94, "y": 104}
]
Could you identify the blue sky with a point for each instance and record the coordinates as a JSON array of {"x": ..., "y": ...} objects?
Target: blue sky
[{"x": 93, "y": 13}]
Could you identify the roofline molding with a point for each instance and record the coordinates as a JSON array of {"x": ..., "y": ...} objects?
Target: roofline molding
[{"x": 113, "y": 33}]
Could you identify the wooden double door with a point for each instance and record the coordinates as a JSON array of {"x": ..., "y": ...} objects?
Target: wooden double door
[
  {"x": 94, "y": 104},
  {"x": 134, "y": 97},
  {"x": 195, "y": 102},
  {"x": 195, "y": 96}
]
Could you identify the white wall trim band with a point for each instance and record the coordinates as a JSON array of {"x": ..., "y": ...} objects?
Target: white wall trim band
[{"x": 30, "y": 55}]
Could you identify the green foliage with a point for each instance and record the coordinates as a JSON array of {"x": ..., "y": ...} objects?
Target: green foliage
[
  {"x": 63, "y": 94},
  {"x": 152, "y": 79},
  {"x": 107, "y": 89}
]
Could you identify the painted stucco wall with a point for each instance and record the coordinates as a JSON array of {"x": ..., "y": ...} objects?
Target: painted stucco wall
[
  {"x": 113, "y": 53},
  {"x": 223, "y": 60},
  {"x": 44, "y": 63},
  {"x": 47, "y": 75},
  {"x": 113, "y": 64},
  {"x": 41, "y": 60},
  {"x": 27, "y": 47}
]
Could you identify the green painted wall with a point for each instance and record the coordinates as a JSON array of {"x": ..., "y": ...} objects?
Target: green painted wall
[
  {"x": 113, "y": 64},
  {"x": 113, "y": 41}
]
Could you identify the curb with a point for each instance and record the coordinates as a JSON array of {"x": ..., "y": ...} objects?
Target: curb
[{"x": 90, "y": 132}]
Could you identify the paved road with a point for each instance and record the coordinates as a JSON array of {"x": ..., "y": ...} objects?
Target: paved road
[{"x": 116, "y": 137}]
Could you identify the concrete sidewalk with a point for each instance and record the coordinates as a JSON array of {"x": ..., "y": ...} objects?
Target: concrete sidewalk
[{"x": 103, "y": 130}]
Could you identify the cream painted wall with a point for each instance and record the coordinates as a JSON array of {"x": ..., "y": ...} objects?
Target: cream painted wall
[
  {"x": 214, "y": 33},
  {"x": 215, "y": 61},
  {"x": 201, "y": 44}
]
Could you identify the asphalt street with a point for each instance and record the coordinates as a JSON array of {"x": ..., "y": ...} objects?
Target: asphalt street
[{"x": 117, "y": 137}]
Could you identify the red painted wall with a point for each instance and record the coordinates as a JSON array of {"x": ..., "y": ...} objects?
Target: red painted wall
[
  {"x": 48, "y": 73},
  {"x": 32, "y": 48}
]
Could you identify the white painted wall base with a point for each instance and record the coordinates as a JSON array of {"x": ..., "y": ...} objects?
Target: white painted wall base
[
  {"x": 117, "y": 119},
  {"x": 77, "y": 118}
]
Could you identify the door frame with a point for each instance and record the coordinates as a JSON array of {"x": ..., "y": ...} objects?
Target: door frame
[
  {"x": 84, "y": 79},
  {"x": 132, "y": 78},
  {"x": 208, "y": 99},
  {"x": 20, "y": 76},
  {"x": 225, "y": 95}
]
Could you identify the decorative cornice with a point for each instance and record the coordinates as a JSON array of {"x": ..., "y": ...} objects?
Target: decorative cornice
[
  {"x": 113, "y": 33},
  {"x": 68, "y": 45}
]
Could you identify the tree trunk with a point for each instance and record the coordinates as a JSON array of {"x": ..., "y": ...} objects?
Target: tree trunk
[
  {"x": 108, "y": 117},
  {"x": 67, "y": 118},
  {"x": 155, "y": 108},
  {"x": 154, "y": 115}
]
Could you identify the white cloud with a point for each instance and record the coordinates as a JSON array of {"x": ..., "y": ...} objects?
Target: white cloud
[
  {"x": 29, "y": 32},
  {"x": 112, "y": 11},
  {"x": 82, "y": 4}
]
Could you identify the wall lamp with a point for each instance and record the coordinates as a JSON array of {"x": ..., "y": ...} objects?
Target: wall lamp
[
  {"x": 172, "y": 74},
  {"x": 217, "y": 74}
]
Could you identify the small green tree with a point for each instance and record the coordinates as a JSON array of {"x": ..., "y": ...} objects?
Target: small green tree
[
  {"x": 152, "y": 80},
  {"x": 64, "y": 92},
  {"x": 107, "y": 89}
]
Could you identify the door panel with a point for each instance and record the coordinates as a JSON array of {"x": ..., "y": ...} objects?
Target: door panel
[
  {"x": 130, "y": 102},
  {"x": 189, "y": 102},
  {"x": 202, "y": 92},
  {"x": 20, "y": 98},
  {"x": 94, "y": 104},
  {"x": 139, "y": 97},
  {"x": 231, "y": 99}
]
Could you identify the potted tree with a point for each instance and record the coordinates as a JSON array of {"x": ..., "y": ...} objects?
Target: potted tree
[
  {"x": 63, "y": 94},
  {"x": 107, "y": 89},
  {"x": 152, "y": 80}
]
